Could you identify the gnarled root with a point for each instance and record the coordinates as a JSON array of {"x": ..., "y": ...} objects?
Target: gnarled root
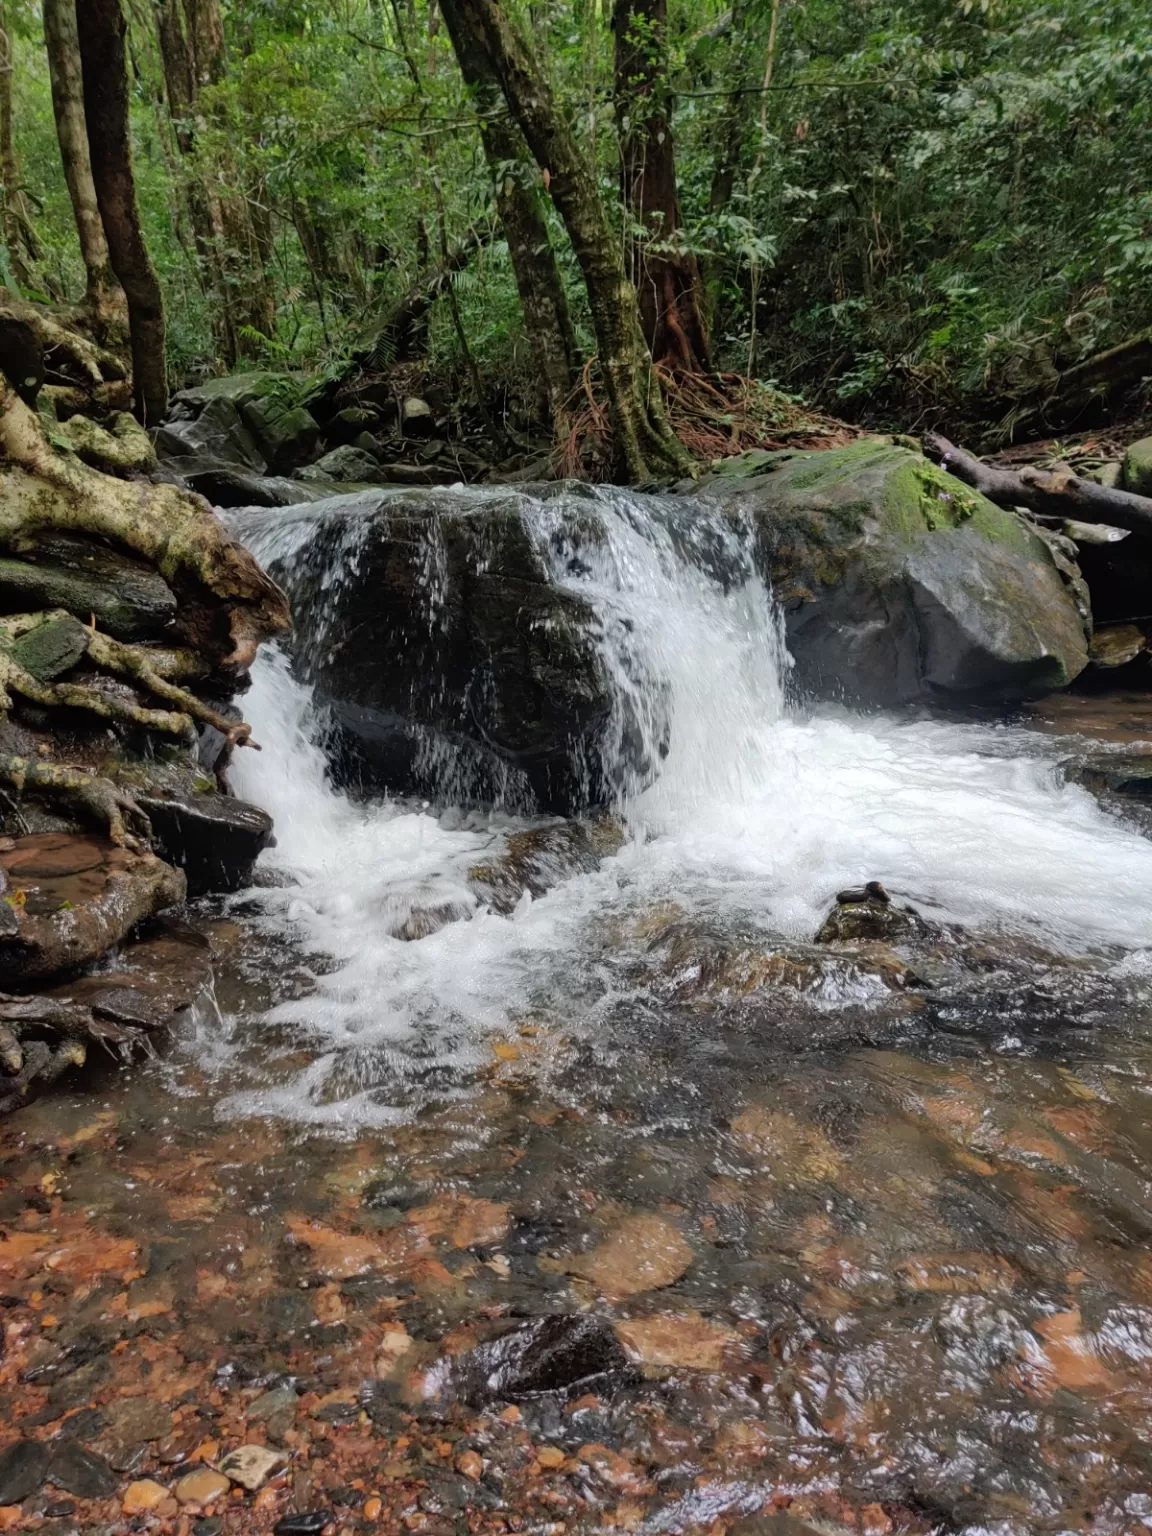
[
  {"x": 87, "y": 793},
  {"x": 154, "y": 669},
  {"x": 27, "y": 1057},
  {"x": 174, "y": 530}
]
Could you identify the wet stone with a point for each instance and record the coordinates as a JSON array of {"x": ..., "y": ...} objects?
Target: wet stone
[
  {"x": 551, "y": 1354},
  {"x": 212, "y": 1526},
  {"x": 201, "y": 1487},
  {"x": 132, "y": 1419},
  {"x": 23, "y": 1468},
  {"x": 307, "y": 1523},
  {"x": 251, "y": 1465},
  {"x": 270, "y": 1405},
  {"x": 85, "y": 1425},
  {"x": 81, "y": 1472},
  {"x": 126, "y": 1457}
]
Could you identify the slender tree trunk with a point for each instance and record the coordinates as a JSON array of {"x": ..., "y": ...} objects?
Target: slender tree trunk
[
  {"x": 645, "y": 444},
  {"x": 15, "y": 223},
  {"x": 666, "y": 276},
  {"x": 103, "y": 296},
  {"x": 101, "y": 30},
  {"x": 518, "y": 205}
]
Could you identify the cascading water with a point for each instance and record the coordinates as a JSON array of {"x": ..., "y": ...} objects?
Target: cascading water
[{"x": 739, "y": 808}]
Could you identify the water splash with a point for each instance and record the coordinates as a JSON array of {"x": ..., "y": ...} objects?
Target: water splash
[{"x": 739, "y": 808}]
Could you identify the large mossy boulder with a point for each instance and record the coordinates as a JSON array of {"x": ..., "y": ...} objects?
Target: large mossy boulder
[
  {"x": 900, "y": 584},
  {"x": 446, "y": 659}
]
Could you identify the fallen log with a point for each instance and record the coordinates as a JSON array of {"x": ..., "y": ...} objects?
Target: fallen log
[{"x": 1049, "y": 493}]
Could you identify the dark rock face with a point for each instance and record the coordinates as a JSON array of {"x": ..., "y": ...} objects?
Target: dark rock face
[
  {"x": 445, "y": 656},
  {"x": 214, "y": 839},
  {"x": 217, "y": 435},
  {"x": 129, "y": 598},
  {"x": 898, "y": 583}
]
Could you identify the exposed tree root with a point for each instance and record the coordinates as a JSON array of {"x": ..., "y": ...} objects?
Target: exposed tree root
[
  {"x": 713, "y": 416},
  {"x": 175, "y": 530},
  {"x": 94, "y": 798}
]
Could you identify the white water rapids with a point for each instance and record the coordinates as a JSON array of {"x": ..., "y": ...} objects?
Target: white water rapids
[{"x": 759, "y": 813}]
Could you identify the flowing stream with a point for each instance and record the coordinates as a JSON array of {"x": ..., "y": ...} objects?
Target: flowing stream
[
  {"x": 759, "y": 811},
  {"x": 624, "y": 1205}
]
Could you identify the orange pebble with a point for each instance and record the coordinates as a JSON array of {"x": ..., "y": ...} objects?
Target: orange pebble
[{"x": 372, "y": 1508}]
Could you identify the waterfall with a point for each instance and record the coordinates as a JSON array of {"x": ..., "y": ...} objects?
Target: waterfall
[{"x": 744, "y": 809}]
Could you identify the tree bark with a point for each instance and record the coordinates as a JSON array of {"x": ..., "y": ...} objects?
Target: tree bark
[
  {"x": 15, "y": 224},
  {"x": 665, "y": 275},
  {"x": 1051, "y": 493},
  {"x": 101, "y": 28},
  {"x": 645, "y": 444},
  {"x": 518, "y": 206},
  {"x": 103, "y": 298}
]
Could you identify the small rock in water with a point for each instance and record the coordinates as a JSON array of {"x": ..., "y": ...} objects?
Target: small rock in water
[
  {"x": 873, "y": 891},
  {"x": 201, "y": 1486},
  {"x": 268, "y": 1404},
  {"x": 308, "y": 1524},
  {"x": 140, "y": 1497},
  {"x": 23, "y": 1468},
  {"x": 251, "y": 1465},
  {"x": 81, "y": 1472}
]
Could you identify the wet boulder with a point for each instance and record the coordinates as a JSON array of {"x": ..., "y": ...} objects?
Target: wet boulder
[
  {"x": 217, "y": 436},
  {"x": 446, "y": 658},
  {"x": 898, "y": 583},
  {"x": 70, "y": 897},
  {"x": 214, "y": 839}
]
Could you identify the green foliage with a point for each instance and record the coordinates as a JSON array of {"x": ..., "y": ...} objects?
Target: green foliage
[{"x": 938, "y": 203}]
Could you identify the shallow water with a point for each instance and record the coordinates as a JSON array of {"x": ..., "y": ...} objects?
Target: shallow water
[{"x": 872, "y": 1227}]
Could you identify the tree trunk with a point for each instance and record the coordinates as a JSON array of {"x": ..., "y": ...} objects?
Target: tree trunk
[
  {"x": 19, "y": 236},
  {"x": 101, "y": 33},
  {"x": 103, "y": 298},
  {"x": 645, "y": 444},
  {"x": 665, "y": 275},
  {"x": 518, "y": 206}
]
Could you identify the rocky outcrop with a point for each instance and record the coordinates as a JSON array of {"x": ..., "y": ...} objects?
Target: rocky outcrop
[
  {"x": 446, "y": 657},
  {"x": 898, "y": 583}
]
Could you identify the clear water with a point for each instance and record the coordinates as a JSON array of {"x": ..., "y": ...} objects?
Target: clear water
[{"x": 757, "y": 814}]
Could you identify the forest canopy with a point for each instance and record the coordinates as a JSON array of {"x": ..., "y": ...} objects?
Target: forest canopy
[{"x": 899, "y": 211}]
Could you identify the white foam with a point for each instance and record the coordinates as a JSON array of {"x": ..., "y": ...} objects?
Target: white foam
[{"x": 757, "y": 812}]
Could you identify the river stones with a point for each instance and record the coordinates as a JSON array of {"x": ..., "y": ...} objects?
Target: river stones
[
  {"x": 900, "y": 584},
  {"x": 23, "y": 1468}
]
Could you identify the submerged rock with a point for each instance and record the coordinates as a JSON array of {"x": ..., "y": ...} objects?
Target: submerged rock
[
  {"x": 864, "y": 918},
  {"x": 561, "y": 1354},
  {"x": 898, "y": 582}
]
